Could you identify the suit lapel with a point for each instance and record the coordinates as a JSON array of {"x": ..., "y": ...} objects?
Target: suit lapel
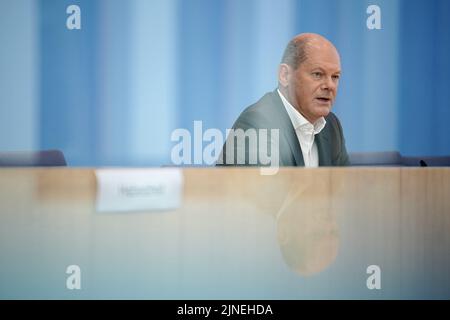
[
  {"x": 285, "y": 125},
  {"x": 323, "y": 146},
  {"x": 292, "y": 139}
]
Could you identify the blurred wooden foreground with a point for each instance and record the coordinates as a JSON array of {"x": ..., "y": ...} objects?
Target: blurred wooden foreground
[{"x": 302, "y": 233}]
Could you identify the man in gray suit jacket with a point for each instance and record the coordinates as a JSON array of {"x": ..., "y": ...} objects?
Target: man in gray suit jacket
[{"x": 295, "y": 121}]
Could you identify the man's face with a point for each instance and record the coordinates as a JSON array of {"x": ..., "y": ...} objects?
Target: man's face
[{"x": 312, "y": 88}]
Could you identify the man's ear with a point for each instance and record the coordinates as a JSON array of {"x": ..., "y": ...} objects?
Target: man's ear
[{"x": 283, "y": 74}]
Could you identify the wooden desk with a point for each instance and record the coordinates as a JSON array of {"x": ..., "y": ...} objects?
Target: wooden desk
[{"x": 303, "y": 233}]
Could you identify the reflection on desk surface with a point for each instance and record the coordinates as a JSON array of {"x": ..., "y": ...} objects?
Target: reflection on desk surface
[{"x": 302, "y": 233}]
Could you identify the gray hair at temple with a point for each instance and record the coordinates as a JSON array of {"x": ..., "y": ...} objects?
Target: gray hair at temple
[{"x": 295, "y": 52}]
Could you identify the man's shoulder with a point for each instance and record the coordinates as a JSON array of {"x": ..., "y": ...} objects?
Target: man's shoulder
[
  {"x": 259, "y": 114},
  {"x": 332, "y": 121},
  {"x": 333, "y": 129},
  {"x": 331, "y": 118}
]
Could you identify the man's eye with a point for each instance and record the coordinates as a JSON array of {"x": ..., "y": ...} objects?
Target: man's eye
[
  {"x": 336, "y": 77},
  {"x": 317, "y": 74}
]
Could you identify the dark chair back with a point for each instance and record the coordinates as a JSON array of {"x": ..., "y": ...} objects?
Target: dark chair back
[
  {"x": 443, "y": 161},
  {"x": 44, "y": 158},
  {"x": 386, "y": 158}
]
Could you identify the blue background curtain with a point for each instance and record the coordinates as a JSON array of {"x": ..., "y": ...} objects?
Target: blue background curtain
[{"x": 112, "y": 92}]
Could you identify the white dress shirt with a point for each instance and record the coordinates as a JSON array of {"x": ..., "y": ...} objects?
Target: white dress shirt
[{"x": 305, "y": 133}]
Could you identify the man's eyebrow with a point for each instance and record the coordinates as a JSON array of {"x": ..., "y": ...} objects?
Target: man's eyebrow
[
  {"x": 313, "y": 68},
  {"x": 316, "y": 69}
]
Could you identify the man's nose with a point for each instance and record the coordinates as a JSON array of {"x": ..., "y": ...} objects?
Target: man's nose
[{"x": 328, "y": 84}]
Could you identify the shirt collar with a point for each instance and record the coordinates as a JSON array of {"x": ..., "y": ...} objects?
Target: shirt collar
[{"x": 299, "y": 121}]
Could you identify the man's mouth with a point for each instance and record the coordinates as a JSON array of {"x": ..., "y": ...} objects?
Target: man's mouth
[{"x": 324, "y": 99}]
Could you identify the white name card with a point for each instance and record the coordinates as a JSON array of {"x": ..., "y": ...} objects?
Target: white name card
[{"x": 121, "y": 190}]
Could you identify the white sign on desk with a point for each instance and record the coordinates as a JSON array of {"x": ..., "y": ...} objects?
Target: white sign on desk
[{"x": 121, "y": 190}]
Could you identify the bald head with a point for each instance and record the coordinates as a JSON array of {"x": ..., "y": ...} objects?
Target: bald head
[
  {"x": 304, "y": 45},
  {"x": 308, "y": 76}
]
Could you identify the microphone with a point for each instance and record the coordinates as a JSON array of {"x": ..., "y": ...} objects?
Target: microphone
[{"x": 423, "y": 163}]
